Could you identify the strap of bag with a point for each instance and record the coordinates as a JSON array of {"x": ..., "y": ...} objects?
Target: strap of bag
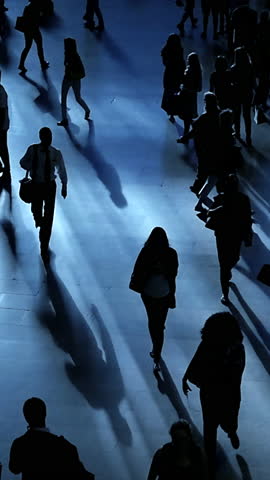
[{"x": 35, "y": 162}]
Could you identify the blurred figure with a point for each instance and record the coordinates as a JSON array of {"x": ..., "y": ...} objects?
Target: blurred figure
[
  {"x": 188, "y": 13},
  {"x": 233, "y": 227},
  {"x": 39, "y": 454},
  {"x": 4, "y": 126},
  {"x": 210, "y": 6},
  {"x": 192, "y": 84},
  {"x": 262, "y": 60},
  {"x": 92, "y": 8},
  {"x": 41, "y": 160},
  {"x": 173, "y": 59},
  {"x": 153, "y": 277},
  {"x": 224, "y": 15},
  {"x": 74, "y": 72},
  {"x": 180, "y": 458},
  {"x": 244, "y": 86},
  {"x": 221, "y": 83},
  {"x": 31, "y": 15},
  {"x": 243, "y": 28},
  {"x": 216, "y": 369}
]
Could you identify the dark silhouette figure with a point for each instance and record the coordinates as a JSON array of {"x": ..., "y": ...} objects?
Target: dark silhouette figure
[
  {"x": 216, "y": 369},
  {"x": 180, "y": 458},
  {"x": 244, "y": 85},
  {"x": 188, "y": 13},
  {"x": 4, "y": 126},
  {"x": 210, "y": 6},
  {"x": 262, "y": 60},
  {"x": 233, "y": 226},
  {"x": 31, "y": 15},
  {"x": 173, "y": 59},
  {"x": 243, "y": 28},
  {"x": 205, "y": 131},
  {"x": 41, "y": 454},
  {"x": 221, "y": 83},
  {"x": 224, "y": 15},
  {"x": 74, "y": 72},
  {"x": 153, "y": 277},
  {"x": 192, "y": 84},
  {"x": 41, "y": 160},
  {"x": 92, "y": 9}
]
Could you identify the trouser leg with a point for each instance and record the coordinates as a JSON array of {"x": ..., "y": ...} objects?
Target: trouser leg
[
  {"x": 76, "y": 86},
  {"x": 99, "y": 15},
  {"x": 237, "y": 116},
  {"x": 66, "y": 84},
  {"x": 157, "y": 310},
  {"x": 46, "y": 226},
  {"x": 37, "y": 203},
  {"x": 39, "y": 44},
  {"x": 247, "y": 118},
  {"x": 4, "y": 150},
  {"x": 28, "y": 39},
  {"x": 210, "y": 426}
]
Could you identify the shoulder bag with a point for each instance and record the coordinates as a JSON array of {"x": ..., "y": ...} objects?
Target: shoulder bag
[{"x": 26, "y": 184}]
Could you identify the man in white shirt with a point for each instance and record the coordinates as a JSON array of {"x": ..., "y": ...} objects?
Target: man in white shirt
[
  {"x": 4, "y": 126},
  {"x": 42, "y": 160}
]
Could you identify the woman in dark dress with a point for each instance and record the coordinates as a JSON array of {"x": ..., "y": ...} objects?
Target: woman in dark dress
[
  {"x": 221, "y": 83},
  {"x": 173, "y": 59},
  {"x": 180, "y": 459},
  {"x": 216, "y": 369},
  {"x": 153, "y": 277}
]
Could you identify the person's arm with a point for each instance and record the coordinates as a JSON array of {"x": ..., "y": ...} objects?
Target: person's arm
[
  {"x": 15, "y": 460},
  {"x": 194, "y": 370},
  {"x": 153, "y": 471},
  {"x": 138, "y": 274},
  {"x": 27, "y": 160},
  {"x": 61, "y": 170}
]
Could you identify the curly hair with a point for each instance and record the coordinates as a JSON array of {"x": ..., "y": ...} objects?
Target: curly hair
[{"x": 223, "y": 328}]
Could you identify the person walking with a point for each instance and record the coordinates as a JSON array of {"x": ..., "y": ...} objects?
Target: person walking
[
  {"x": 153, "y": 276},
  {"x": 188, "y": 13},
  {"x": 244, "y": 86},
  {"x": 221, "y": 83},
  {"x": 233, "y": 226},
  {"x": 38, "y": 453},
  {"x": 92, "y": 8},
  {"x": 41, "y": 160},
  {"x": 210, "y": 6},
  {"x": 74, "y": 72},
  {"x": 216, "y": 369},
  {"x": 31, "y": 16},
  {"x": 180, "y": 458},
  {"x": 4, "y": 126},
  {"x": 173, "y": 59}
]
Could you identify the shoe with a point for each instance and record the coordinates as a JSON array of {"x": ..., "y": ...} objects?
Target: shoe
[
  {"x": 204, "y": 35},
  {"x": 99, "y": 28},
  {"x": 62, "y": 123},
  {"x": 87, "y": 115},
  {"x": 22, "y": 68},
  {"x": 193, "y": 190},
  {"x": 45, "y": 65},
  {"x": 234, "y": 440},
  {"x": 225, "y": 300}
]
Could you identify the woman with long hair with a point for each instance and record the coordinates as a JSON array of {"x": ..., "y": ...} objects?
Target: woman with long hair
[
  {"x": 216, "y": 369},
  {"x": 173, "y": 59},
  {"x": 153, "y": 277},
  {"x": 221, "y": 82},
  {"x": 180, "y": 458},
  {"x": 192, "y": 84},
  {"x": 74, "y": 72}
]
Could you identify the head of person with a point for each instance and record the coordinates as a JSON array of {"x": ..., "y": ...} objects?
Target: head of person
[
  {"x": 231, "y": 184},
  {"x": 174, "y": 41},
  {"x": 180, "y": 433},
  {"x": 157, "y": 239},
  {"x": 193, "y": 61},
  {"x": 210, "y": 102},
  {"x": 70, "y": 46},
  {"x": 221, "y": 328},
  {"x": 45, "y": 135},
  {"x": 34, "y": 410},
  {"x": 221, "y": 63},
  {"x": 241, "y": 58}
]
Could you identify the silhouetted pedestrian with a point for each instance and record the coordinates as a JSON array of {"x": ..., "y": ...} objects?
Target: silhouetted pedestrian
[
  {"x": 216, "y": 369},
  {"x": 244, "y": 86},
  {"x": 173, "y": 59},
  {"x": 233, "y": 226},
  {"x": 181, "y": 458},
  {"x": 188, "y": 13},
  {"x": 4, "y": 126},
  {"x": 192, "y": 84},
  {"x": 31, "y": 15},
  {"x": 41, "y": 160},
  {"x": 262, "y": 60},
  {"x": 210, "y": 6},
  {"x": 74, "y": 72},
  {"x": 92, "y": 9},
  {"x": 243, "y": 28},
  {"x": 221, "y": 83},
  {"x": 205, "y": 131},
  {"x": 40, "y": 454},
  {"x": 153, "y": 277}
]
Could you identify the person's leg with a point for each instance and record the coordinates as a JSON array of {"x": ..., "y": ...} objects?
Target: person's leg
[
  {"x": 187, "y": 123},
  {"x": 231, "y": 400},
  {"x": 159, "y": 325},
  {"x": 215, "y": 11},
  {"x": 40, "y": 51},
  {"x": 200, "y": 179},
  {"x": 208, "y": 186},
  {"x": 66, "y": 84},
  {"x": 89, "y": 14},
  {"x": 76, "y": 86},
  {"x": 210, "y": 426},
  {"x": 247, "y": 120},
  {"x": 206, "y": 13},
  {"x": 46, "y": 226},
  {"x": 4, "y": 150},
  {"x": 99, "y": 15},
  {"x": 236, "y": 118},
  {"x": 37, "y": 204},
  {"x": 28, "y": 40}
]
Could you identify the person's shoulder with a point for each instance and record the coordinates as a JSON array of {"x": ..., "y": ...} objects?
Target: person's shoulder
[{"x": 172, "y": 252}]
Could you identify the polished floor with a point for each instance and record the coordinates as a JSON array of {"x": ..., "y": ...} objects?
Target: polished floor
[{"x": 77, "y": 336}]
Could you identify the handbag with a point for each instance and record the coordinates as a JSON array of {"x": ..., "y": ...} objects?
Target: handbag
[
  {"x": 26, "y": 188},
  {"x": 20, "y": 24}
]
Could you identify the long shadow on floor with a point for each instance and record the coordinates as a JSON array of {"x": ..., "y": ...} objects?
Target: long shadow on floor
[
  {"x": 105, "y": 171},
  {"x": 95, "y": 373},
  {"x": 167, "y": 387},
  {"x": 255, "y": 257},
  {"x": 243, "y": 467},
  {"x": 116, "y": 51},
  {"x": 47, "y": 100}
]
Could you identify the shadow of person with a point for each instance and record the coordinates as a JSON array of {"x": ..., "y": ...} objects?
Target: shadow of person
[
  {"x": 8, "y": 229},
  {"x": 94, "y": 372},
  {"x": 5, "y": 32},
  {"x": 243, "y": 467},
  {"x": 167, "y": 387},
  {"x": 47, "y": 100},
  {"x": 105, "y": 171},
  {"x": 255, "y": 262},
  {"x": 5, "y": 186},
  {"x": 116, "y": 52}
]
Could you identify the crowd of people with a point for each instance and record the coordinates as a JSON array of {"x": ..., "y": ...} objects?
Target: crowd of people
[{"x": 239, "y": 82}]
